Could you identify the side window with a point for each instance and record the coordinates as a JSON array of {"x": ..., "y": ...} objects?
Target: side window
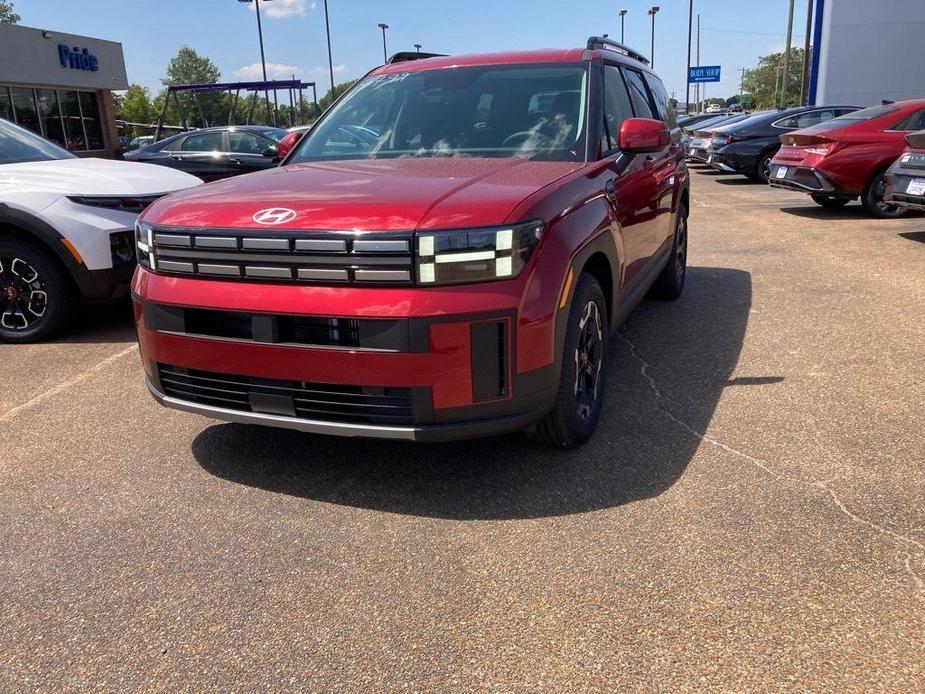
[
  {"x": 912, "y": 122},
  {"x": 246, "y": 143},
  {"x": 804, "y": 120},
  {"x": 790, "y": 122},
  {"x": 207, "y": 142},
  {"x": 661, "y": 101},
  {"x": 617, "y": 105},
  {"x": 638, "y": 94}
]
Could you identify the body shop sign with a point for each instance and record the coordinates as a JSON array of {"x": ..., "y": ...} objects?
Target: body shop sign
[{"x": 77, "y": 58}]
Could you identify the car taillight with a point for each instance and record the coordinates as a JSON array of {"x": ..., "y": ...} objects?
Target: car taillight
[{"x": 822, "y": 150}]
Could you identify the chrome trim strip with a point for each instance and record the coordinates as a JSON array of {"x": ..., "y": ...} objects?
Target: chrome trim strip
[
  {"x": 265, "y": 244},
  {"x": 366, "y": 246},
  {"x": 321, "y": 245},
  {"x": 172, "y": 240},
  {"x": 225, "y": 270},
  {"x": 382, "y": 275},
  {"x": 216, "y": 242},
  {"x": 307, "y": 425},
  {"x": 173, "y": 266},
  {"x": 276, "y": 273},
  {"x": 305, "y": 273}
]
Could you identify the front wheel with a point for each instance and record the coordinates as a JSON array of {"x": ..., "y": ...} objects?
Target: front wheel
[
  {"x": 35, "y": 296},
  {"x": 874, "y": 202},
  {"x": 577, "y": 409}
]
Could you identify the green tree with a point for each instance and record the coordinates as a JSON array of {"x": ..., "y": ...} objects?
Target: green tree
[
  {"x": 188, "y": 67},
  {"x": 732, "y": 100},
  {"x": 135, "y": 105},
  {"x": 7, "y": 15},
  {"x": 763, "y": 83},
  {"x": 332, "y": 94}
]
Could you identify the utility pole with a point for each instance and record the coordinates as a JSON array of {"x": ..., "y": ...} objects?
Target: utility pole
[
  {"x": 786, "y": 78},
  {"x": 698, "y": 60},
  {"x": 622, "y": 33},
  {"x": 805, "y": 78},
  {"x": 687, "y": 79}
]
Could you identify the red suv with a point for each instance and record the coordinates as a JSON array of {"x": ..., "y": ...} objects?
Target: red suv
[
  {"x": 443, "y": 255},
  {"x": 841, "y": 159}
]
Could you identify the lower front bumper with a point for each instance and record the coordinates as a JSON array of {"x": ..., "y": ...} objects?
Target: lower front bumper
[{"x": 437, "y": 432}]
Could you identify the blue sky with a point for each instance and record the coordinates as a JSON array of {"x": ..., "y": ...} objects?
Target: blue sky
[{"x": 734, "y": 32}]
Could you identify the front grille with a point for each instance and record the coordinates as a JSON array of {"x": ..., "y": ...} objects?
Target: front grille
[
  {"x": 294, "y": 257},
  {"x": 316, "y": 401}
]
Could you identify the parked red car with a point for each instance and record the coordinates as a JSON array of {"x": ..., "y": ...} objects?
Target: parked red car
[
  {"x": 443, "y": 255},
  {"x": 905, "y": 180},
  {"x": 847, "y": 157}
]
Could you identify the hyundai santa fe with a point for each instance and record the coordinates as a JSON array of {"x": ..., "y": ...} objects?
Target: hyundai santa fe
[{"x": 443, "y": 255}]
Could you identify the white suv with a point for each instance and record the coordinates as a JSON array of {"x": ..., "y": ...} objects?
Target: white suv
[{"x": 66, "y": 227}]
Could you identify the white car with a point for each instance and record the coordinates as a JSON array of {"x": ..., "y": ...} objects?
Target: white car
[
  {"x": 714, "y": 108},
  {"x": 66, "y": 229}
]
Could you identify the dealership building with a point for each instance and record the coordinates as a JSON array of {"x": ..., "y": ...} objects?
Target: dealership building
[
  {"x": 60, "y": 85},
  {"x": 868, "y": 51}
]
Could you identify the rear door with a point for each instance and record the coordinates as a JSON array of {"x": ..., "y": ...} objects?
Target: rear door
[{"x": 204, "y": 155}]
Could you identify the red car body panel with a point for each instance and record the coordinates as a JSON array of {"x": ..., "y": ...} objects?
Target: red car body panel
[
  {"x": 858, "y": 150},
  {"x": 630, "y": 229}
]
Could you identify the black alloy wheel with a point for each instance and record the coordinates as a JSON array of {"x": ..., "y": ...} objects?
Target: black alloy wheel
[
  {"x": 35, "y": 296},
  {"x": 874, "y": 202},
  {"x": 589, "y": 359}
]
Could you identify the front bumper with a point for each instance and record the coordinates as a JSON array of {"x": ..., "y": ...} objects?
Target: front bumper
[{"x": 380, "y": 363}]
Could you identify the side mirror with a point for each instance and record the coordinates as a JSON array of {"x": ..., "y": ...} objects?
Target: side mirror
[
  {"x": 287, "y": 144},
  {"x": 643, "y": 135},
  {"x": 271, "y": 152}
]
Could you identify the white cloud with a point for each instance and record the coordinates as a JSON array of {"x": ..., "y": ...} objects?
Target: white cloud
[
  {"x": 338, "y": 70},
  {"x": 275, "y": 71},
  {"x": 280, "y": 9}
]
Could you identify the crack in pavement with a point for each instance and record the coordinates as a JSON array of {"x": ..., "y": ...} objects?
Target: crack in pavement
[
  {"x": 818, "y": 484},
  {"x": 64, "y": 385}
]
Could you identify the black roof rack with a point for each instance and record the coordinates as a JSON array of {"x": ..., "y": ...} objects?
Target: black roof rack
[
  {"x": 601, "y": 42},
  {"x": 405, "y": 56}
]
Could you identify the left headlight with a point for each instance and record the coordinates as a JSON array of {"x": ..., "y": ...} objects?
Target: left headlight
[
  {"x": 144, "y": 240},
  {"x": 460, "y": 256}
]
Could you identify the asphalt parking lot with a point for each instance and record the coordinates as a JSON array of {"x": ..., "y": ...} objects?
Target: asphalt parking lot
[{"x": 749, "y": 516}]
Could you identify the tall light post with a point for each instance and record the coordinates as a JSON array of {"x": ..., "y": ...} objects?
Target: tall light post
[
  {"x": 653, "y": 11},
  {"x": 417, "y": 47},
  {"x": 327, "y": 31},
  {"x": 687, "y": 80},
  {"x": 622, "y": 33},
  {"x": 263, "y": 59},
  {"x": 385, "y": 52},
  {"x": 785, "y": 83}
]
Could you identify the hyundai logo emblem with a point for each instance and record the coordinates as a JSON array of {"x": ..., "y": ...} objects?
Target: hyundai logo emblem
[{"x": 274, "y": 215}]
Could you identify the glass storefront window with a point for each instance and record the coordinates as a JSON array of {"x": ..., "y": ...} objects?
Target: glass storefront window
[
  {"x": 69, "y": 118},
  {"x": 72, "y": 126},
  {"x": 51, "y": 115},
  {"x": 92, "y": 124},
  {"x": 6, "y": 106},
  {"x": 24, "y": 107}
]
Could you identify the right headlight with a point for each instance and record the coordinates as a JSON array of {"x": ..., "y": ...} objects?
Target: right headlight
[
  {"x": 144, "y": 244},
  {"x": 461, "y": 256}
]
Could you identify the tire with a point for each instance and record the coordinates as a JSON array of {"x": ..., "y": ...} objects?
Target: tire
[
  {"x": 763, "y": 169},
  {"x": 36, "y": 296},
  {"x": 872, "y": 199},
  {"x": 829, "y": 202},
  {"x": 577, "y": 409},
  {"x": 670, "y": 283}
]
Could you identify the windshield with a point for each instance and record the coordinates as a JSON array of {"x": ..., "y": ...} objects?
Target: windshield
[
  {"x": 275, "y": 134},
  {"x": 20, "y": 145},
  {"x": 855, "y": 117},
  {"x": 524, "y": 111}
]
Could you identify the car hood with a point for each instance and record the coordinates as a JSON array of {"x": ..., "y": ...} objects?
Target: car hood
[
  {"x": 384, "y": 194},
  {"x": 95, "y": 177}
]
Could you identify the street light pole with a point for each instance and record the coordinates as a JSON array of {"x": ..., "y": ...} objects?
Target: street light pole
[
  {"x": 786, "y": 78},
  {"x": 385, "y": 52},
  {"x": 327, "y": 30},
  {"x": 417, "y": 47},
  {"x": 622, "y": 33},
  {"x": 263, "y": 59},
  {"x": 653, "y": 11},
  {"x": 687, "y": 80},
  {"x": 805, "y": 77}
]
